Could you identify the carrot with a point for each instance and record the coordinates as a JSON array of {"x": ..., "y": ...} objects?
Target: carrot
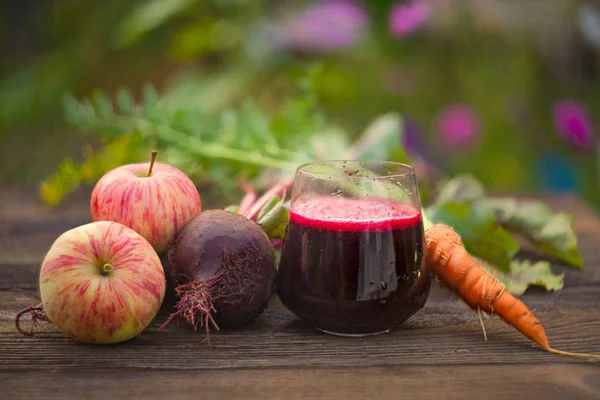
[{"x": 460, "y": 272}]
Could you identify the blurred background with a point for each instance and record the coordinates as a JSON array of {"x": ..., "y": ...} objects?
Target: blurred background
[{"x": 506, "y": 90}]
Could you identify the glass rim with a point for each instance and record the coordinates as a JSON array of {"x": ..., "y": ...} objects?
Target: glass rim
[{"x": 410, "y": 170}]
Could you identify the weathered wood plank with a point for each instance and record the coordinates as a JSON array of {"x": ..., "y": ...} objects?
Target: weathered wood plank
[
  {"x": 445, "y": 332},
  {"x": 27, "y": 231},
  {"x": 458, "y": 382},
  {"x": 21, "y": 276},
  {"x": 22, "y": 204}
]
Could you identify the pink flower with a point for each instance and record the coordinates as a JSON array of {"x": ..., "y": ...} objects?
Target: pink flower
[
  {"x": 405, "y": 18},
  {"x": 573, "y": 122},
  {"x": 325, "y": 26},
  {"x": 458, "y": 125}
]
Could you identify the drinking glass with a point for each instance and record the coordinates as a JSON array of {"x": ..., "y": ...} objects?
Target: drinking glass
[{"x": 352, "y": 260}]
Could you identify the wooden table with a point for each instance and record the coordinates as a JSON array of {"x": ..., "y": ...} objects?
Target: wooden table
[{"x": 439, "y": 353}]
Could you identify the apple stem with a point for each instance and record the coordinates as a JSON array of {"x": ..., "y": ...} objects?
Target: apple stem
[
  {"x": 106, "y": 268},
  {"x": 154, "y": 153}
]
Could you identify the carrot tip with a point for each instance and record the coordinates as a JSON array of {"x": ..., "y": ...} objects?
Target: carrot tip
[
  {"x": 453, "y": 266},
  {"x": 590, "y": 357}
]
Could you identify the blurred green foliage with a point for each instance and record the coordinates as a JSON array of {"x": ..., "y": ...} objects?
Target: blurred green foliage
[
  {"x": 226, "y": 147},
  {"x": 214, "y": 55}
]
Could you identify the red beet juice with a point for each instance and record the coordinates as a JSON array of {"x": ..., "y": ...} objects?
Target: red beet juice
[{"x": 353, "y": 266}]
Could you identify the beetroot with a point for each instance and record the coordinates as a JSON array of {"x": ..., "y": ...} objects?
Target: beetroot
[{"x": 223, "y": 270}]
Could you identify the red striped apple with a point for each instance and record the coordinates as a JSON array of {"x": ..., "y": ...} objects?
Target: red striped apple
[
  {"x": 101, "y": 283},
  {"x": 154, "y": 199}
]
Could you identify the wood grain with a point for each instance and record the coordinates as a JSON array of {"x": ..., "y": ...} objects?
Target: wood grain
[
  {"x": 438, "y": 353},
  {"x": 445, "y": 332},
  {"x": 22, "y": 205},
  {"x": 359, "y": 382}
]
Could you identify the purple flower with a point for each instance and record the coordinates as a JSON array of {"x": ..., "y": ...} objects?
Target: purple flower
[
  {"x": 573, "y": 122},
  {"x": 458, "y": 125},
  {"x": 412, "y": 139},
  {"x": 325, "y": 26},
  {"x": 405, "y": 18}
]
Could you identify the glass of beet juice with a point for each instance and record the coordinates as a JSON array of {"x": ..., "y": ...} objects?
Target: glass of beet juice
[{"x": 352, "y": 258}]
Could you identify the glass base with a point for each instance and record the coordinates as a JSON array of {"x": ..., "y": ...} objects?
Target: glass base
[{"x": 354, "y": 335}]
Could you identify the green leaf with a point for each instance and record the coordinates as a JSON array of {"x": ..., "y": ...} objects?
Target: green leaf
[
  {"x": 148, "y": 16},
  {"x": 277, "y": 256},
  {"x": 78, "y": 113},
  {"x": 382, "y": 140},
  {"x": 63, "y": 181},
  {"x": 150, "y": 98},
  {"x": 299, "y": 122},
  {"x": 238, "y": 153},
  {"x": 275, "y": 220},
  {"x": 524, "y": 274},
  {"x": 193, "y": 40},
  {"x": 268, "y": 207},
  {"x": 70, "y": 175},
  {"x": 102, "y": 104},
  {"x": 234, "y": 208},
  {"x": 243, "y": 142},
  {"x": 125, "y": 102},
  {"x": 362, "y": 181},
  {"x": 480, "y": 234},
  {"x": 551, "y": 233},
  {"x": 330, "y": 145},
  {"x": 254, "y": 123},
  {"x": 461, "y": 189},
  {"x": 70, "y": 108}
]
